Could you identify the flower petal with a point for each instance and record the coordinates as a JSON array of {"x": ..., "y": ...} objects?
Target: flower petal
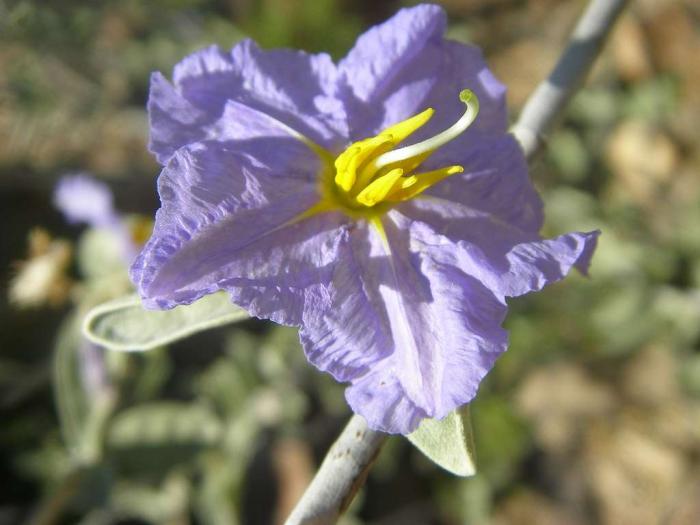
[
  {"x": 404, "y": 65},
  {"x": 349, "y": 333},
  {"x": 225, "y": 223},
  {"x": 508, "y": 260},
  {"x": 384, "y": 50},
  {"x": 533, "y": 265},
  {"x": 174, "y": 122},
  {"x": 380, "y": 398},
  {"x": 445, "y": 323},
  {"x": 292, "y": 152},
  {"x": 495, "y": 182},
  {"x": 411, "y": 331},
  {"x": 293, "y": 87}
]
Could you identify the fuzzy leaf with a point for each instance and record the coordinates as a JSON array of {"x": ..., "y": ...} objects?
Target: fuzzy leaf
[
  {"x": 123, "y": 324},
  {"x": 151, "y": 439},
  {"x": 72, "y": 404},
  {"x": 448, "y": 442},
  {"x": 161, "y": 423}
]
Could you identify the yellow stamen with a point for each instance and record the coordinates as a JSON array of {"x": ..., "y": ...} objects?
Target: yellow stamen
[
  {"x": 402, "y": 130},
  {"x": 349, "y": 162},
  {"x": 370, "y": 171},
  {"x": 379, "y": 188},
  {"x": 373, "y": 174},
  {"x": 346, "y": 168},
  {"x": 423, "y": 182}
]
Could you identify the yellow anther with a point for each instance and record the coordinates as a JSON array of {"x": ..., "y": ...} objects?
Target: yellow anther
[
  {"x": 403, "y": 129},
  {"x": 379, "y": 188},
  {"x": 405, "y": 182},
  {"x": 346, "y": 168},
  {"x": 423, "y": 182},
  {"x": 341, "y": 163},
  {"x": 349, "y": 163}
]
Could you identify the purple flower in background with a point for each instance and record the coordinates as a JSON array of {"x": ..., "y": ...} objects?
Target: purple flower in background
[
  {"x": 84, "y": 200},
  {"x": 285, "y": 185}
]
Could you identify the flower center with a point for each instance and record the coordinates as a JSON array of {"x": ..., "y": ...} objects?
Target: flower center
[{"x": 373, "y": 171}]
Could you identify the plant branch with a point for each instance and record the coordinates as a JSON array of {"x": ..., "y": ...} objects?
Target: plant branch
[
  {"x": 347, "y": 463},
  {"x": 340, "y": 476},
  {"x": 546, "y": 104}
]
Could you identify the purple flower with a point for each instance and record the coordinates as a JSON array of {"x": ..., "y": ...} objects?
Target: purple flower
[
  {"x": 84, "y": 200},
  {"x": 284, "y": 184}
]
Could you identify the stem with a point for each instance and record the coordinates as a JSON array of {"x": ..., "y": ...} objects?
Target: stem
[
  {"x": 340, "y": 476},
  {"x": 347, "y": 463},
  {"x": 546, "y": 105},
  {"x": 51, "y": 509}
]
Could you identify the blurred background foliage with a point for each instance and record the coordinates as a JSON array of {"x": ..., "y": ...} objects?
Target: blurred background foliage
[{"x": 592, "y": 416}]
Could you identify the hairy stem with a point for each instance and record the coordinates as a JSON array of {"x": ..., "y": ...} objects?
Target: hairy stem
[
  {"x": 546, "y": 104},
  {"x": 340, "y": 476}
]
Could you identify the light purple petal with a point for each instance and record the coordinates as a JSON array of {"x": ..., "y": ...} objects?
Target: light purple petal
[
  {"x": 411, "y": 331},
  {"x": 288, "y": 273},
  {"x": 533, "y": 265},
  {"x": 463, "y": 66},
  {"x": 350, "y": 333},
  {"x": 225, "y": 223},
  {"x": 248, "y": 127},
  {"x": 495, "y": 182},
  {"x": 293, "y": 87},
  {"x": 380, "y": 398},
  {"x": 508, "y": 260},
  {"x": 174, "y": 121},
  {"x": 385, "y": 50},
  {"x": 445, "y": 323},
  {"x": 405, "y": 65}
]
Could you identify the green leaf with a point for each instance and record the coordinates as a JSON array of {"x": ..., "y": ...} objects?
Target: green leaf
[
  {"x": 123, "y": 324},
  {"x": 151, "y": 439},
  {"x": 100, "y": 254},
  {"x": 161, "y": 423},
  {"x": 448, "y": 442},
  {"x": 83, "y": 408},
  {"x": 72, "y": 405},
  {"x": 166, "y": 501}
]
